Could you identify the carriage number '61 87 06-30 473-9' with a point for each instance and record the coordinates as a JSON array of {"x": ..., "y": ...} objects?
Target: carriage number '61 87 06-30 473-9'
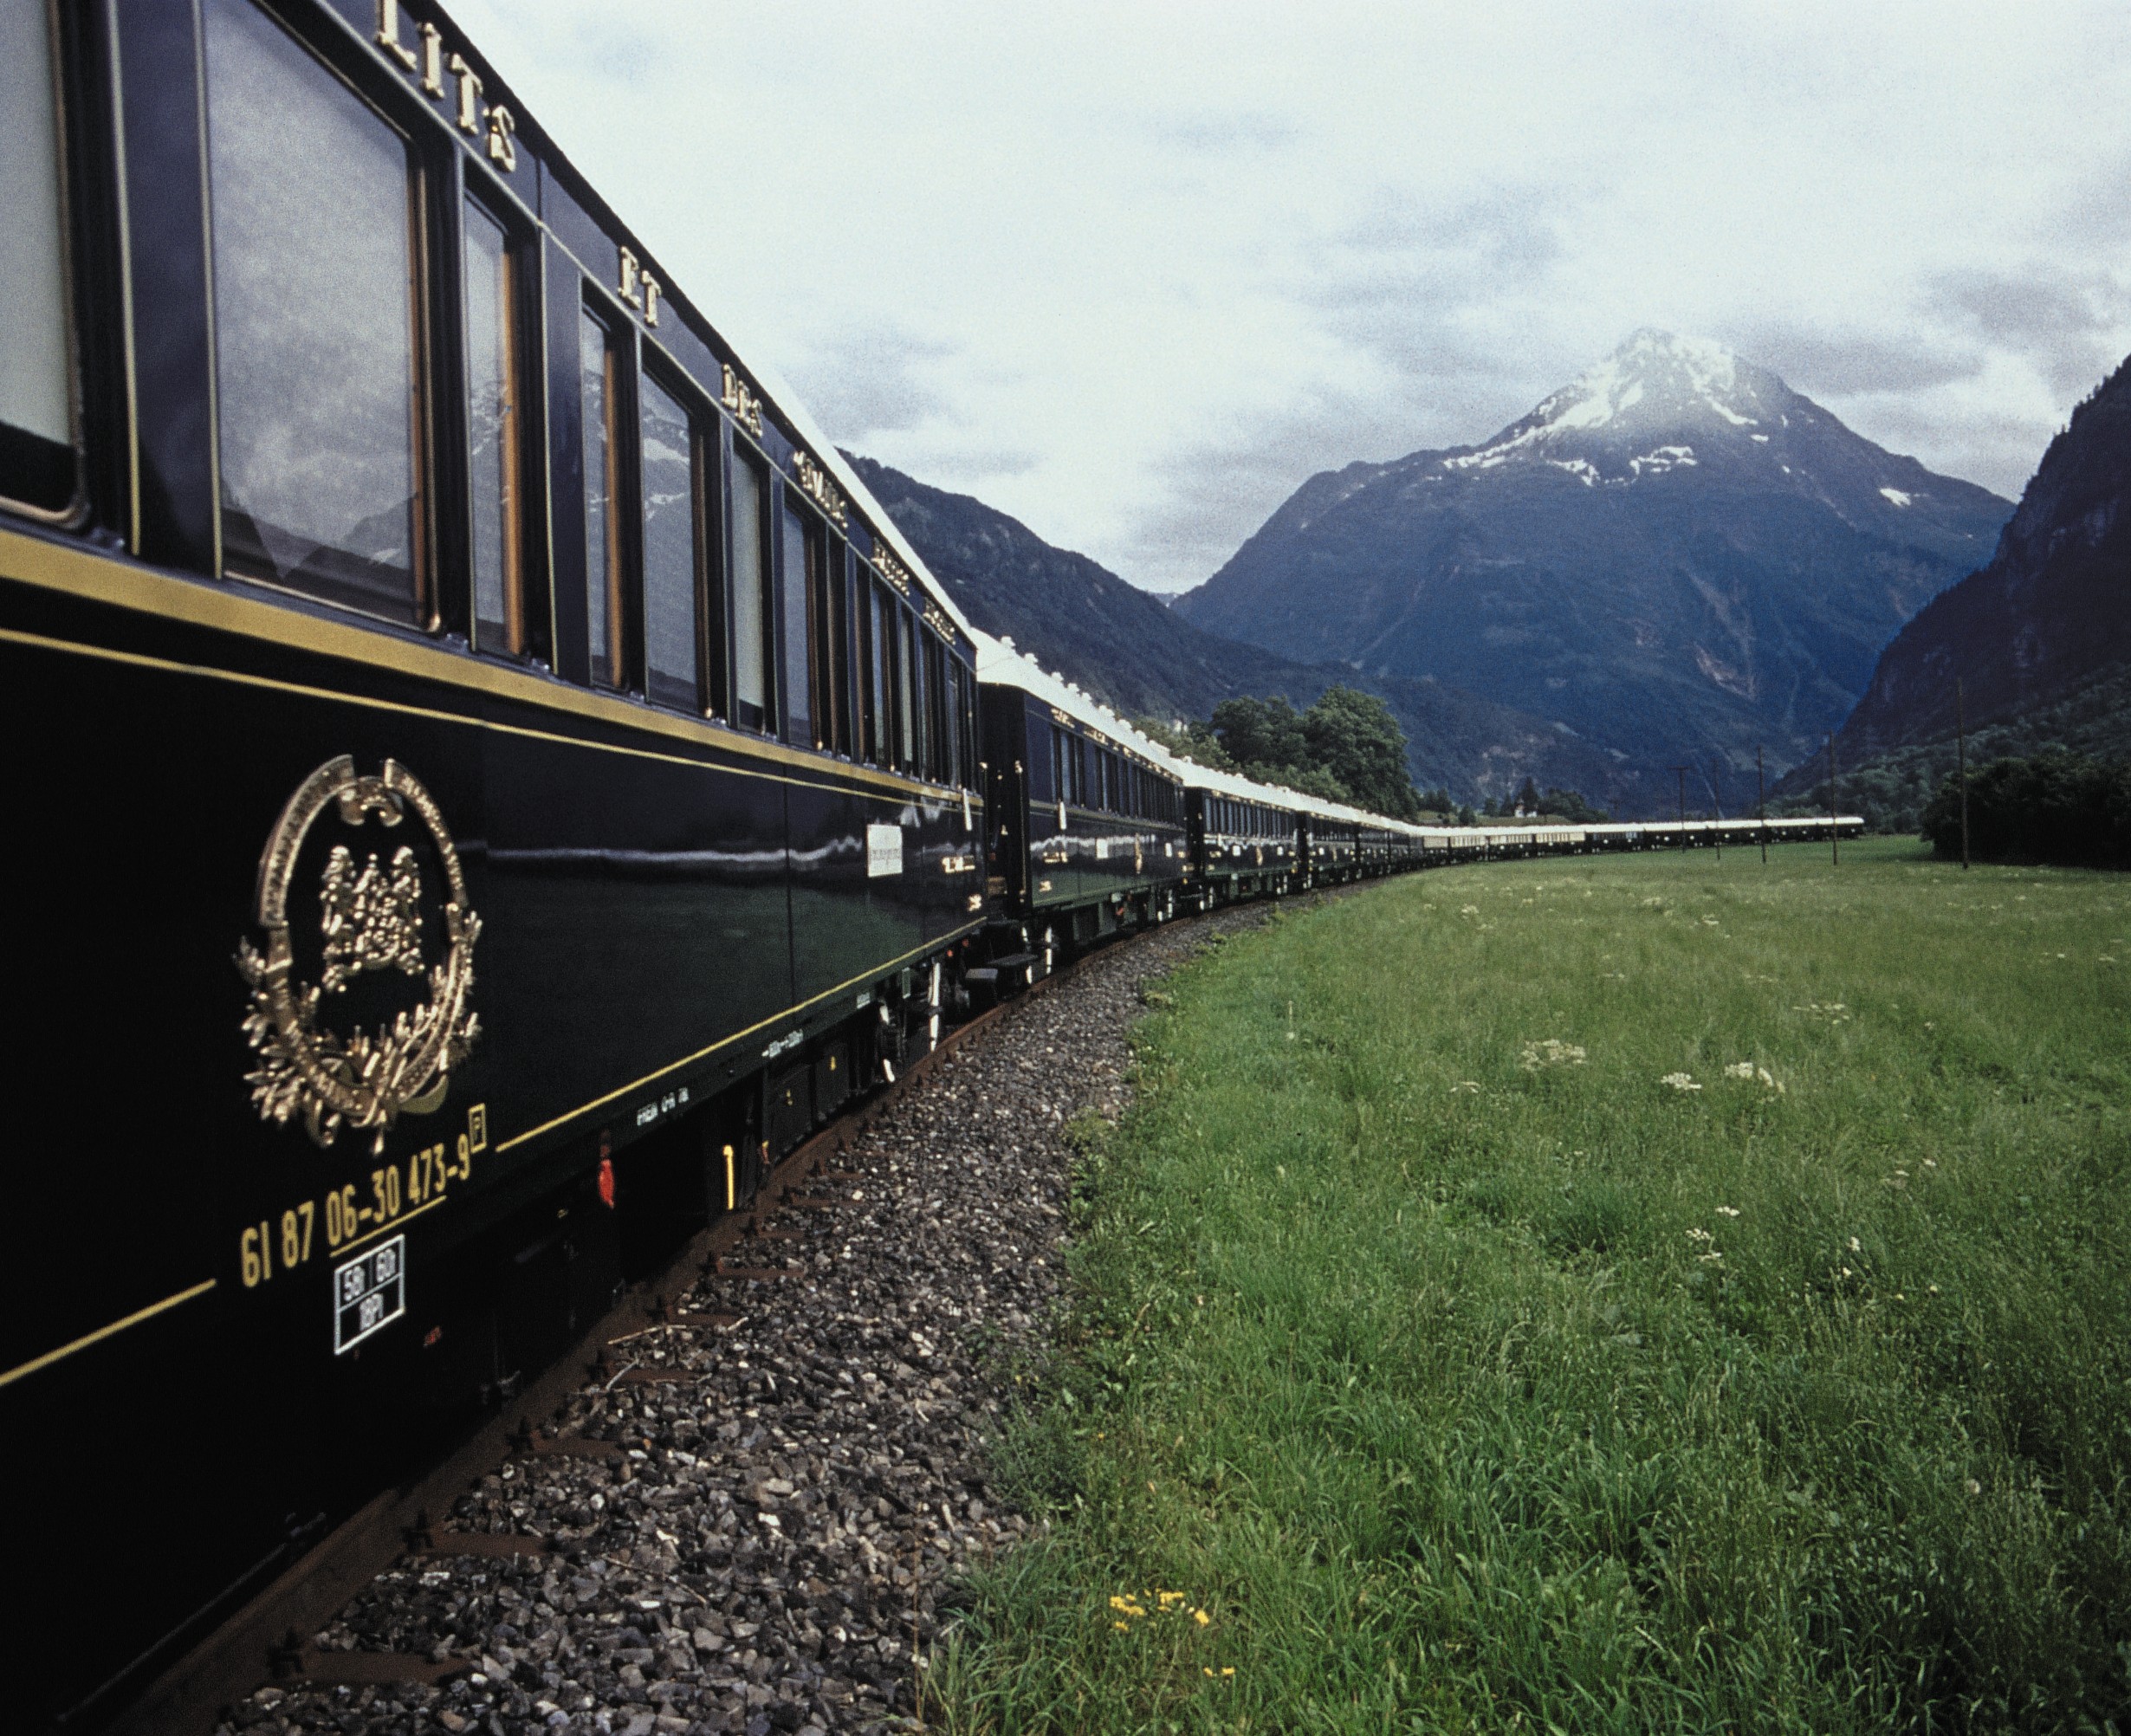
[{"x": 358, "y": 1210}]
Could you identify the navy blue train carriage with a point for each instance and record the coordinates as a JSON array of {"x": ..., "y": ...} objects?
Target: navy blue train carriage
[
  {"x": 1088, "y": 831},
  {"x": 1246, "y": 840},
  {"x": 487, "y": 780}
]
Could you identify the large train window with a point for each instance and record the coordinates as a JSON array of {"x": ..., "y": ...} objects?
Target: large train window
[
  {"x": 672, "y": 638},
  {"x": 906, "y": 688},
  {"x": 494, "y": 431},
  {"x": 37, "y": 399},
  {"x": 939, "y": 734},
  {"x": 750, "y": 567},
  {"x": 965, "y": 708},
  {"x": 318, "y": 325},
  {"x": 802, "y": 542},
  {"x": 598, "y": 365},
  {"x": 828, "y": 635},
  {"x": 873, "y": 664}
]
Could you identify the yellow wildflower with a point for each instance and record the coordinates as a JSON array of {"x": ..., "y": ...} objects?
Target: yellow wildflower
[{"x": 1201, "y": 1617}]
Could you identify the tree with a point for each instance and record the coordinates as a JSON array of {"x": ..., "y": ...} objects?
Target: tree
[
  {"x": 1437, "y": 801},
  {"x": 1261, "y": 732},
  {"x": 1528, "y": 798},
  {"x": 2057, "y": 806},
  {"x": 1466, "y": 817},
  {"x": 1353, "y": 736},
  {"x": 1569, "y": 805}
]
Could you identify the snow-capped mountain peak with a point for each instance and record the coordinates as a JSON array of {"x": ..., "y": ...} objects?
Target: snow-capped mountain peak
[
  {"x": 1654, "y": 367},
  {"x": 1657, "y": 404}
]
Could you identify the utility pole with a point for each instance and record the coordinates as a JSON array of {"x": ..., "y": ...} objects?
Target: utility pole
[
  {"x": 1716, "y": 803},
  {"x": 1760, "y": 803},
  {"x": 1960, "y": 737},
  {"x": 1682, "y": 772},
  {"x": 1835, "y": 828}
]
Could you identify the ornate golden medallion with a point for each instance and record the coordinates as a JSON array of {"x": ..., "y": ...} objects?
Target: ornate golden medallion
[{"x": 370, "y": 919}]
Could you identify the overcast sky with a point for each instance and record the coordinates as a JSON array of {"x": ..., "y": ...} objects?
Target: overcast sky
[{"x": 1131, "y": 273}]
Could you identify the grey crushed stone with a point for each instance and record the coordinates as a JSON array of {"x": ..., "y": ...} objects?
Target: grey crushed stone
[{"x": 776, "y": 1542}]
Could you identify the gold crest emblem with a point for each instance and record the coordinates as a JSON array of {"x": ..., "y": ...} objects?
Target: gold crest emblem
[{"x": 370, "y": 919}]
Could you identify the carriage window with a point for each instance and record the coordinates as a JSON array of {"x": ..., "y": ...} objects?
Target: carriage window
[
  {"x": 875, "y": 616},
  {"x": 603, "y": 613},
  {"x": 317, "y": 343},
  {"x": 906, "y": 691},
  {"x": 493, "y": 433},
  {"x": 36, "y": 456},
  {"x": 750, "y": 586},
  {"x": 966, "y": 681},
  {"x": 937, "y": 741},
  {"x": 826, "y": 612},
  {"x": 668, "y": 446},
  {"x": 800, "y": 539}
]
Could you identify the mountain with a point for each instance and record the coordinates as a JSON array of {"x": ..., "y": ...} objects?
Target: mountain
[
  {"x": 2039, "y": 637},
  {"x": 1675, "y": 555},
  {"x": 2049, "y": 615},
  {"x": 1123, "y": 646}
]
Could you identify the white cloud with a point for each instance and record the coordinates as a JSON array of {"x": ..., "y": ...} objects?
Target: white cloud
[{"x": 1134, "y": 271}]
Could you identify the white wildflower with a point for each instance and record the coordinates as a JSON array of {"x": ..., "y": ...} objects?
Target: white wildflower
[
  {"x": 1680, "y": 1082},
  {"x": 1728, "y": 1211},
  {"x": 1468, "y": 909},
  {"x": 1854, "y": 1246},
  {"x": 1553, "y": 1053}
]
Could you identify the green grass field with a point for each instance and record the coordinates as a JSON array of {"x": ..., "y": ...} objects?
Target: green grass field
[{"x": 1439, "y": 1365}]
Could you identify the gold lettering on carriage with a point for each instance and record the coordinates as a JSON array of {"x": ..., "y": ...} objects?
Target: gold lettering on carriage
[
  {"x": 814, "y": 483},
  {"x": 492, "y": 123},
  {"x": 638, "y": 288},
  {"x": 371, "y": 919},
  {"x": 746, "y": 407},
  {"x": 891, "y": 569},
  {"x": 935, "y": 618}
]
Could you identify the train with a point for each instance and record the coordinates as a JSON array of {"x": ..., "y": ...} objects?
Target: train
[{"x": 488, "y": 779}]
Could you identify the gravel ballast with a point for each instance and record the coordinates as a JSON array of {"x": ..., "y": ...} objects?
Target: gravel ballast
[{"x": 769, "y": 1551}]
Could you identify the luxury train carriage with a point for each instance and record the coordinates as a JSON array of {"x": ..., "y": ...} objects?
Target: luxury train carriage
[
  {"x": 1088, "y": 815},
  {"x": 480, "y": 762}
]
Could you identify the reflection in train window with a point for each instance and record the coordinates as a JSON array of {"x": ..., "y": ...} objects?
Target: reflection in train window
[
  {"x": 667, "y": 464},
  {"x": 315, "y": 281},
  {"x": 603, "y": 556},
  {"x": 906, "y": 688},
  {"x": 829, "y": 637},
  {"x": 36, "y": 454},
  {"x": 751, "y": 592},
  {"x": 873, "y": 607},
  {"x": 493, "y": 433},
  {"x": 800, "y": 539}
]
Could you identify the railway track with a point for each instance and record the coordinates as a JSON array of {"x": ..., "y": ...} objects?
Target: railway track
[{"x": 270, "y": 1640}]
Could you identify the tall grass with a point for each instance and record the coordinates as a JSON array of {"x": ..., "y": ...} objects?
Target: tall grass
[{"x": 1467, "y": 1376}]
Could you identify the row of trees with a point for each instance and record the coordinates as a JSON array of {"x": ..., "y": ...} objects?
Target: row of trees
[
  {"x": 1346, "y": 747},
  {"x": 2056, "y": 806}
]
